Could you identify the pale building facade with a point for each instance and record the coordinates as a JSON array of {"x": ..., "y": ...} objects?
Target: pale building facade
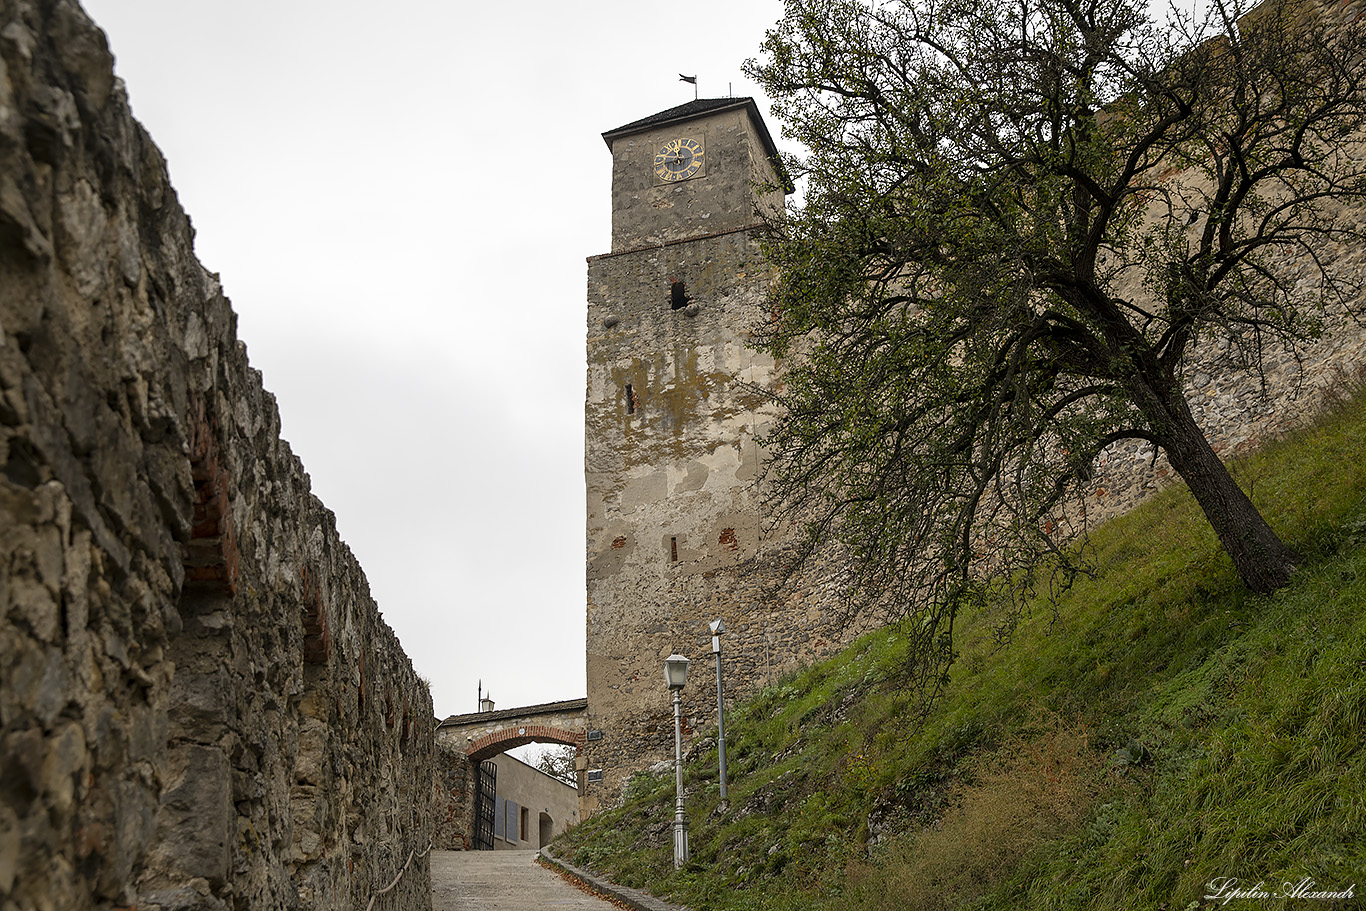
[{"x": 531, "y": 807}]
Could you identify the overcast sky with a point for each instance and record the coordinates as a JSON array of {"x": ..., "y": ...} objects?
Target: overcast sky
[{"x": 399, "y": 199}]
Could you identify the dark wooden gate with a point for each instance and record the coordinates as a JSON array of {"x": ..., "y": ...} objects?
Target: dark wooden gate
[{"x": 485, "y": 804}]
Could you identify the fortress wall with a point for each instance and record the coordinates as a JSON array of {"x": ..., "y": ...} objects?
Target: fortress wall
[
  {"x": 1238, "y": 408},
  {"x": 453, "y": 799},
  {"x": 200, "y": 704}
]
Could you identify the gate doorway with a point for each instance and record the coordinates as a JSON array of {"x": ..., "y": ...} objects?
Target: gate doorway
[{"x": 485, "y": 805}]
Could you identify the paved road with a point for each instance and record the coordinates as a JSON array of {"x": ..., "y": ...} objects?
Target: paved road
[{"x": 502, "y": 881}]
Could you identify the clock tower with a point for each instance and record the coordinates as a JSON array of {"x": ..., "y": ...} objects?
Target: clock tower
[
  {"x": 701, "y": 168},
  {"x": 675, "y": 401}
]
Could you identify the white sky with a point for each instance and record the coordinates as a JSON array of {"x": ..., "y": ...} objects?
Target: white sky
[{"x": 399, "y": 198}]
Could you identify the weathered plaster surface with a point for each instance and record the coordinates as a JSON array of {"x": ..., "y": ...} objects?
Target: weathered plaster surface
[{"x": 675, "y": 516}]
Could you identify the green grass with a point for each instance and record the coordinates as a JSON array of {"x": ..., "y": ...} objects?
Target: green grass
[{"x": 1162, "y": 729}]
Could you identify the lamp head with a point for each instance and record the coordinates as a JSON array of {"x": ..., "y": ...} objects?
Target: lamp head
[
  {"x": 675, "y": 671},
  {"x": 717, "y": 627}
]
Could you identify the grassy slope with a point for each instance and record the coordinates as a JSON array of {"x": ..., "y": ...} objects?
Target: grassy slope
[{"x": 1161, "y": 730}]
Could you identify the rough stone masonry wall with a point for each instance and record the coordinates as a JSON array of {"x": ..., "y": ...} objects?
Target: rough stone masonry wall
[
  {"x": 453, "y": 799},
  {"x": 1236, "y": 412},
  {"x": 677, "y": 532},
  {"x": 200, "y": 705}
]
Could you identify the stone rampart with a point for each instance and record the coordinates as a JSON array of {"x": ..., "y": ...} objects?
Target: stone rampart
[
  {"x": 200, "y": 705},
  {"x": 1240, "y": 407}
]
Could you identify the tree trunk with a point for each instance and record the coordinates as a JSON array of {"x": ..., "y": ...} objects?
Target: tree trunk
[{"x": 1263, "y": 562}]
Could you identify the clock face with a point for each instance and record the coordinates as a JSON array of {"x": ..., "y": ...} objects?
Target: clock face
[{"x": 679, "y": 159}]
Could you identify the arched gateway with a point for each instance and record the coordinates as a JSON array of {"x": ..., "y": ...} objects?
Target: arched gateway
[{"x": 467, "y": 741}]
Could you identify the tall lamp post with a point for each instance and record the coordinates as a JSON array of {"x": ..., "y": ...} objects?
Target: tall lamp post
[
  {"x": 676, "y": 674},
  {"x": 717, "y": 628}
]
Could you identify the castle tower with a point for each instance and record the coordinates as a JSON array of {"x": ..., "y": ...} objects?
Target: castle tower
[{"x": 671, "y": 416}]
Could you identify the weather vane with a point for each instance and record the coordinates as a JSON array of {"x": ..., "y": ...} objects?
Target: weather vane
[{"x": 693, "y": 80}]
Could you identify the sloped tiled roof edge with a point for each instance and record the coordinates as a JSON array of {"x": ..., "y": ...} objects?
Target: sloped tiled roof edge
[
  {"x": 544, "y": 708},
  {"x": 703, "y": 107}
]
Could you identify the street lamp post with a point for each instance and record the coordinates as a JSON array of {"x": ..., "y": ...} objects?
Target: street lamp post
[
  {"x": 676, "y": 674},
  {"x": 717, "y": 628}
]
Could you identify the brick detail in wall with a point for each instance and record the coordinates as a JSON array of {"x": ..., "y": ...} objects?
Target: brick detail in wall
[
  {"x": 211, "y": 555},
  {"x": 505, "y": 739},
  {"x": 317, "y": 639}
]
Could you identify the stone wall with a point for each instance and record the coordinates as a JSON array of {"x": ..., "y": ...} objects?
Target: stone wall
[
  {"x": 483, "y": 735},
  {"x": 200, "y": 705},
  {"x": 453, "y": 799},
  {"x": 465, "y": 741},
  {"x": 1240, "y": 409}
]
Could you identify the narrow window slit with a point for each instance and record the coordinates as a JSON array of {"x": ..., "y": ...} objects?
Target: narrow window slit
[
  {"x": 630, "y": 400},
  {"x": 678, "y": 296},
  {"x": 673, "y": 550}
]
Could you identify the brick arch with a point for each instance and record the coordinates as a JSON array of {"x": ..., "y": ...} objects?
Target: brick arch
[{"x": 509, "y": 738}]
